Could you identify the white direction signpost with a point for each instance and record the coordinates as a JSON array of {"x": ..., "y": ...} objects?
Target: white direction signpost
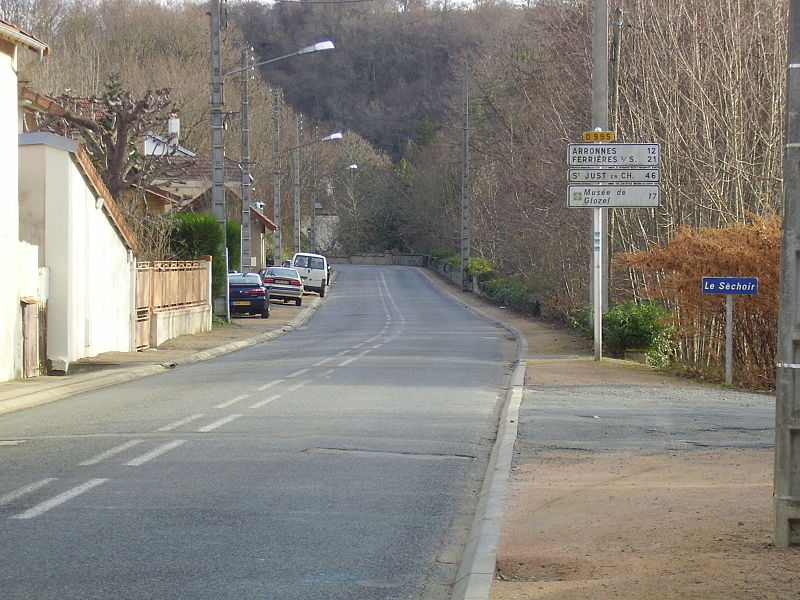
[
  {"x": 614, "y": 175},
  {"x": 613, "y": 155},
  {"x": 609, "y": 196}
]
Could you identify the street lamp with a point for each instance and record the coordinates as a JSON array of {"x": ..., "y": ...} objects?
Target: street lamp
[{"x": 277, "y": 241}]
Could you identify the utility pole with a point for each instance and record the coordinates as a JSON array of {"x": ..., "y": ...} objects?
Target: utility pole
[
  {"x": 246, "y": 247},
  {"x": 296, "y": 178},
  {"x": 465, "y": 207},
  {"x": 599, "y": 215},
  {"x": 616, "y": 49},
  {"x": 276, "y": 176},
  {"x": 218, "y": 150},
  {"x": 787, "y": 408}
]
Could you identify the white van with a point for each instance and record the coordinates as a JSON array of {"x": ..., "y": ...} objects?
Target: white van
[{"x": 313, "y": 269}]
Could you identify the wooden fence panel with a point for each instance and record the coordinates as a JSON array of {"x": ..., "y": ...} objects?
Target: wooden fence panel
[{"x": 165, "y": 285}]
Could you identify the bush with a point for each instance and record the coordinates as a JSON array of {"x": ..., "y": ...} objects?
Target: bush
[
  {"x": 481, "y": 268},
  {"x": 631, "y": 326},
  {"x": 513, "y": 293},
  {"x": 196, "y": 235},
  {"x": 233, "y": 240}
]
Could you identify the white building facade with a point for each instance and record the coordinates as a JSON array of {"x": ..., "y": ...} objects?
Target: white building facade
[{"x": 18, "y": 276}]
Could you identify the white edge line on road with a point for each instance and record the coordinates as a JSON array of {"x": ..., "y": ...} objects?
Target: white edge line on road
[
  {"x": 220, "y": 423},
  {"x": 177, "y": 424},
  {"x": 265, "y": 402},
  {"x": 60, "y": 499},
  {"x": 328, "y": 372},
  {"x": 344, "y": 363},
  {"x": 233, "y": 401},
  {"x": 323, "y": 361},
  {"x": 154, "y": 453},
  {"x": 269, "y": 385},
  {"x": 109, "y": 453},
  {"x": 25, "y": 490}
]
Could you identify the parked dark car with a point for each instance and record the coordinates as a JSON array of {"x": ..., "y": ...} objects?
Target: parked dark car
[
  {"x": 248, "y": 294},
  {"x": 283, "y": 283}
]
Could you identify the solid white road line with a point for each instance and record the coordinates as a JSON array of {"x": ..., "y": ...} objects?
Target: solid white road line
[
  {"x": 25, "y": 490},
  {"x": 217, "y": 424},
  {"x": 177, "y": 424},
  {"x": 60, "y": 499},
  {"x": 109, "y": 453},
  {"x": 233, "y": 401},
  {"x": 154, "y": 453},
  {"x": 269, "y": 385},
  {"x": 267, "y": 401},
  {"x": 323, "y": 361}
]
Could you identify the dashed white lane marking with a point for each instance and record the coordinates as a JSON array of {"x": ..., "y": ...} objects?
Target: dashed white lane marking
[
  {"x": 266, "y": 401},
  {"x": 177, "y": 424},
  {"x": 342, "y": 353},
  {"x": 60, "y": 499},
  {"x": 346, "y": 362},
  {"x": 323, "y": 361},
  {"x": 109, "y": 453},
  {"x": 217, "y": 424},
  {"x": 233, "y": 401},
  {"x": 25, "y": 490},
  {"x": 154, "y": 453},
  {"x": 296, "y": 373},
  {"x": 328, "y": 372},
  {"x": 269, "y": 385},
  {"x": 297, "y": 385}
]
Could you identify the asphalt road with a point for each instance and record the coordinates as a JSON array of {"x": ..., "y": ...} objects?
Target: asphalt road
[
  {"x": 622, "y": 418},
  {"x": 339, "y": 461}
]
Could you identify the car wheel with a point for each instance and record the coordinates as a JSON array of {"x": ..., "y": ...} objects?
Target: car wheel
[
  {"x": 298, "y": 301},
  {"x": 265, "y": 313},
  {"x": 322, "y": 292}
]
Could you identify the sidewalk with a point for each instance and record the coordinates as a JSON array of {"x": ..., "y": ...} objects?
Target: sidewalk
[{"x": 110, "y": 368}]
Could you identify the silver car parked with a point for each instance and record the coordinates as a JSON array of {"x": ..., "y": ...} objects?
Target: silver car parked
[{"x": 283, "y": 283}]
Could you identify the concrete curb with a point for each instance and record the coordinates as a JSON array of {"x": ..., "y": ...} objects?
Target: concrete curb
[
  {"x": 476, "y": 570},
  {"x": 110, "y": 377}
]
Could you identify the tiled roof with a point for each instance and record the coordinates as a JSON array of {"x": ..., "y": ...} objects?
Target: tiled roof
[
  {"x": 263, "y": 219},
  {"x": 22, "y": 38},
  {"x": 196, "y": 168}
]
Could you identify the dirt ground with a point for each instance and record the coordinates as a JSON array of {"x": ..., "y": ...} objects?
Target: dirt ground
[{"x": 666, "y": 525}]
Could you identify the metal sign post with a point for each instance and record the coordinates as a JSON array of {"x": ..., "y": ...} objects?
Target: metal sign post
[{"x": 730, "y": 286}]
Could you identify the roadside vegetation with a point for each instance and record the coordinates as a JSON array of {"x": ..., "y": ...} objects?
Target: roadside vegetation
[{"x": 704, "y": 79}]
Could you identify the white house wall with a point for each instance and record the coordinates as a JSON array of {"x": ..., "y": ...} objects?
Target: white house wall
[
  {"x": 91, "y": 271},
  {"x": 10, "y": 311}
]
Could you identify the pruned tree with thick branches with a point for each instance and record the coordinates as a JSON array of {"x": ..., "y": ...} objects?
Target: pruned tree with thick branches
[{"x": 112, "y": 127}]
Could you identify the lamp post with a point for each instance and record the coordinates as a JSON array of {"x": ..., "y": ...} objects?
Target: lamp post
[
  {"x": 276, "y": 252},
  {"x": 217, "y": 143}
]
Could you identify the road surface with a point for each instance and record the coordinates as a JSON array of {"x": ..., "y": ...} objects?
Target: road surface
[{"x": 339, "y": 461}]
